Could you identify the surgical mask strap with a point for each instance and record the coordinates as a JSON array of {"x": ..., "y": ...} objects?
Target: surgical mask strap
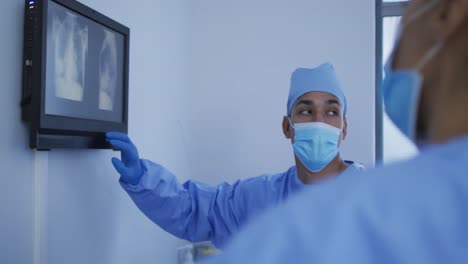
[
  {"x": 429, "y": 55},
  {"x": 290, "y": 122},
  {"x": 421, "y": 12},
  {"x": 436, "y": 48}
]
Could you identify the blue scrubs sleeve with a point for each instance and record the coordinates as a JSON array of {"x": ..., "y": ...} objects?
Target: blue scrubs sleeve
[{"x": 193, "y": 211}]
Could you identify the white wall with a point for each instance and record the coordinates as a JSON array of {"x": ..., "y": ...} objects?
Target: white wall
[
  {"x": 16, "y": 160},
  {"x": 208, "y": 89},
  {"x": 243, "y": 53},
  {"x": 67, "y": 206}
]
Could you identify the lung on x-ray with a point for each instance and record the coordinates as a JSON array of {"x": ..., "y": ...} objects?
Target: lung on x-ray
[{"x": 84, "y": 67}]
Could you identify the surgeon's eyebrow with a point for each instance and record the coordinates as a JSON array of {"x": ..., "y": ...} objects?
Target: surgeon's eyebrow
[
  {"x": 310, "y": 102},
  {"x": 333, "y": 101},
  {"x": 305, "y": 102}
]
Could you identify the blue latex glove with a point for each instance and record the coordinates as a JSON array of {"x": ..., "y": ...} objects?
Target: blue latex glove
[{"x": 129, "y": 167}]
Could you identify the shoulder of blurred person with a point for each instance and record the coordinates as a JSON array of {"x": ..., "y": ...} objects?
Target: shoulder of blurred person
[{"x": 411, "y": 212}]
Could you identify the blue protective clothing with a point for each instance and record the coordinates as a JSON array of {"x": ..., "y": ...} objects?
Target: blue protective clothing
[
  {"x": 198, "y": 212},
  {"x": 129, "y": 167},
  {"x": 411, "y": 212},
  {"x": 320, "y": 79}
]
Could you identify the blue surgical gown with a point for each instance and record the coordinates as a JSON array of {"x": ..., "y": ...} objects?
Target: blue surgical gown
[
  {"x": 199, "y": 212},
  {"x": 415, "y": 211}
]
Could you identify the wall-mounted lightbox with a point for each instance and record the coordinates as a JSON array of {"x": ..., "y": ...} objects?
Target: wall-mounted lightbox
[{"x": 75, "y": 75}]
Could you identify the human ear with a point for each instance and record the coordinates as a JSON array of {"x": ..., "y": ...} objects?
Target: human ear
[{"x": 286, "y": 127}]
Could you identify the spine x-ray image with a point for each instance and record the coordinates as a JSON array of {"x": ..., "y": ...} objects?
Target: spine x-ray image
[{"x": 71, "y": 48}]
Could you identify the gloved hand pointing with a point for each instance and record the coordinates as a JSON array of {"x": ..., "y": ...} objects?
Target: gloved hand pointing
[{"x": 129, "y": 168}]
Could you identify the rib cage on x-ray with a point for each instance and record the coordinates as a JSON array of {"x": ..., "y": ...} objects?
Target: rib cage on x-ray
[{"x": 71, "y": 48}]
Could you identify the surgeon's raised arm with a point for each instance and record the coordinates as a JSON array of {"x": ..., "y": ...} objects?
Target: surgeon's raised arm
[{"x": 193, "y": 211}]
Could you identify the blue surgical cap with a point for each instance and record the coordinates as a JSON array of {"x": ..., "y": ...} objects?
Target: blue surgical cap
[{"x": 320, "y": 79}]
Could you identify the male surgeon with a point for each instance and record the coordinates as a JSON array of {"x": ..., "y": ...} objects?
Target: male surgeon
[
  {"x": 415, "y": 211},
  {"x": 316, "y": 125}
]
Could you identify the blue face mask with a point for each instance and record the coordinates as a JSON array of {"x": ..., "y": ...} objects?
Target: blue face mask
[
  {"x": 315, "y": 144},
  {"x": 402, "y": 88},
  {"x": 401, "y": 93}
]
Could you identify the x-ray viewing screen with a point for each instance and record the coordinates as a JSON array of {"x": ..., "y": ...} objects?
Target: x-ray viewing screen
[{"x": 84, "y": 67}]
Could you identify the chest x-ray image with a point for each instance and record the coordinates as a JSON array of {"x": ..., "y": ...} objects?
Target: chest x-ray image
[
  {"x": 71, "y": 47},
  {"x": 108, "y": 77},
  {"x": 85, "y": 67}
]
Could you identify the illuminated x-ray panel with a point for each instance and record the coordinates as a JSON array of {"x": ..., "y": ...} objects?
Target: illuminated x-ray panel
[{"x": 84, "y": 67}]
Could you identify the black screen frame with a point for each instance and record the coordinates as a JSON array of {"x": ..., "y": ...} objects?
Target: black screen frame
[{"x": 53, "y": 131}]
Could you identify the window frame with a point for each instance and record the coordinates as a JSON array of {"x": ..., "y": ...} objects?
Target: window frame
[{"x": 382, "y": 10}]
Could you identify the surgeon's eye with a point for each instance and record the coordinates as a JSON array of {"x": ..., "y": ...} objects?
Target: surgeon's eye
[
  {"x": 333, "y": 112},
  {"x": 305, "y": 112}
]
